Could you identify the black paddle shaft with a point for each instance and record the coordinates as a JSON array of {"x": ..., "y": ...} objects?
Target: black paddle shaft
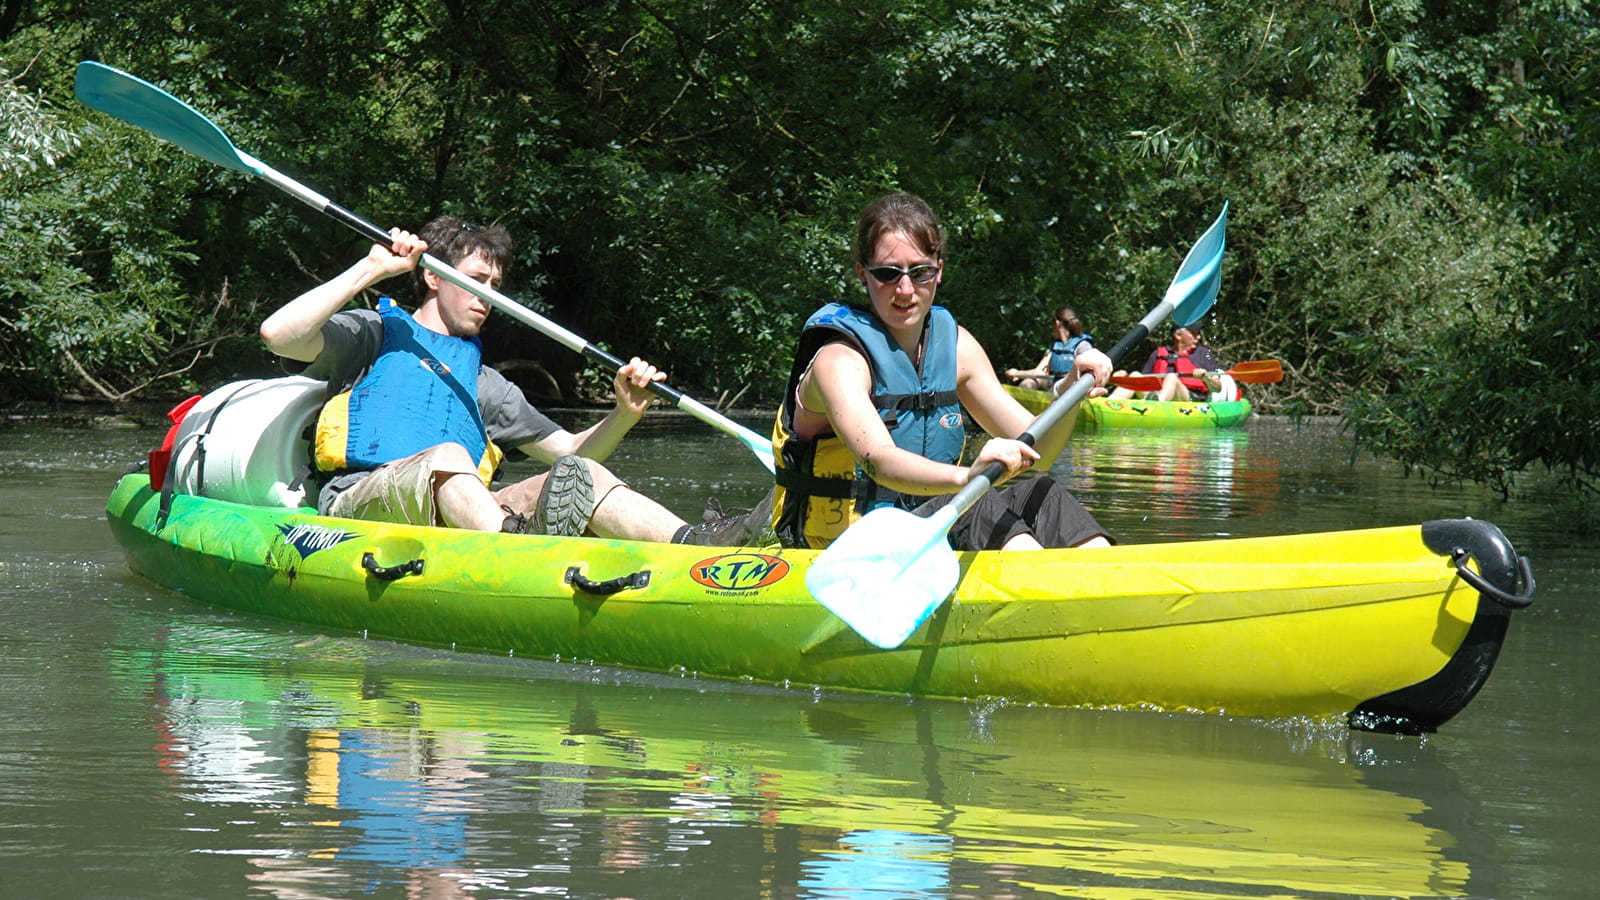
[{"x": 1130, "y": 340}]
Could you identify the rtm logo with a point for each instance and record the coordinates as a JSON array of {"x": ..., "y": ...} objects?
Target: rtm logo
[{"x": 739, "y": 571}]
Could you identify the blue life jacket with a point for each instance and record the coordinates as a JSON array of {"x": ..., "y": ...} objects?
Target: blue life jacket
[
  {"x": 821, "y": 488},
  {"x": 421, "y": 391},
  {"x": 1062, "y": 354}
]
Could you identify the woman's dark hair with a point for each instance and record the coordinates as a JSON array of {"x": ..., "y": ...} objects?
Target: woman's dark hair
[
  {"x": 905, "y": 213},
  {"x": 453, "y": 240},
  {"x": 1068, "y": 318}
]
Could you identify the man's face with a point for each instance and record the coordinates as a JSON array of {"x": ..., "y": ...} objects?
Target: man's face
[{"x": 462, "y": 311}]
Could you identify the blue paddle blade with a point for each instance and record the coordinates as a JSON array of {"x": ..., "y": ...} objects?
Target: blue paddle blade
[
  {"x": 1194, "y": 289},
  {"x": 140, "y": 103},
  {"x": 887, "y": 573}
]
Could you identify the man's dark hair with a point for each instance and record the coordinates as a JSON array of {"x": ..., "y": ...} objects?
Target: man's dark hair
[{"x": 454, "y": 240}]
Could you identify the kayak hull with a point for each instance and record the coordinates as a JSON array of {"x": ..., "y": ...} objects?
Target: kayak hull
[
  {"x": 1313, "y": 625},
  {"x": 1105, "y": 412}
]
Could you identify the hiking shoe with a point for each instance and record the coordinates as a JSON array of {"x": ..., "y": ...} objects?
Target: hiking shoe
[
  {"x": 723, "y": 530},
  {"x": 567, "y": 501},
  {"x": 515, "y": 522}
]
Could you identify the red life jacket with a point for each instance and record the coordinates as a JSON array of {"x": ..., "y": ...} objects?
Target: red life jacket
[{"x": 1183, "y": 366}]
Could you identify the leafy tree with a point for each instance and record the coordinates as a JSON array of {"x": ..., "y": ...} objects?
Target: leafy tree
[
  {"x": 1507, "y": 99},
  {"x": 682, "y": 179},
  {"x": 89, "y": 293}
]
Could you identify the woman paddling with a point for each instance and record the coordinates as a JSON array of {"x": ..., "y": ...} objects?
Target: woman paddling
[
  {"x": 1051, "y": 372},
  {"x": 873, "y": 411}
]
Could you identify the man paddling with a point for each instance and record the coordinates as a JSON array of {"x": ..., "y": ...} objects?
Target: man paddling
[
  {"x": 414, "y": 430},
  {"x": 1189, "y": 370}
]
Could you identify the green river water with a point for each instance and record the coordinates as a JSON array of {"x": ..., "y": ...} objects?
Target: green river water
[{"x": 157, "y": 747}]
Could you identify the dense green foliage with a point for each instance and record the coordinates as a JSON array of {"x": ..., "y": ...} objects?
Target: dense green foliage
[{"x": 1407, "y": 232}]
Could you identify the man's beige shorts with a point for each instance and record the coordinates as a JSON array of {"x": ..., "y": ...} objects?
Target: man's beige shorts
[{"x": 401, "y": 491}]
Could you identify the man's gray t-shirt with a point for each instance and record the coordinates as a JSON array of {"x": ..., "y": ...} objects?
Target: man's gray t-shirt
[{"x": 351, "y": 341}]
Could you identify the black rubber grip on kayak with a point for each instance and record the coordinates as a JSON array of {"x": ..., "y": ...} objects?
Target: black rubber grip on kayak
[
  {"x": 1422, "y": 707},
  {"x": 1507, "y": 599},
  {"x": 606, "y": 588},
  {"x": 390, "y": 573},
  {"x": 1507, "y": 577}
]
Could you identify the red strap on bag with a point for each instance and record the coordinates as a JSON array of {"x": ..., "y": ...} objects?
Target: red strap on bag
[{"x": 161, "y": 457}]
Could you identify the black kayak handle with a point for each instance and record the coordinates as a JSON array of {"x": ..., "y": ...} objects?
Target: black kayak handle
[
  {"x": 390, "y": 573},
  {"x": 637, "y": 579},
  {"x": 1505, "y": 598}
]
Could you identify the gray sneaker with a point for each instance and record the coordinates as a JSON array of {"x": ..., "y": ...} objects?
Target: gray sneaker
[
  {"x": 515, "y": 522},
  {"x": 567, "y": 501},
  {"x": 746, "y": 528}
]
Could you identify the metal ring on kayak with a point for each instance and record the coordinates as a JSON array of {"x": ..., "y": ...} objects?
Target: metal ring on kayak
[
  {"x": 1508, "y": 600},
  {"x": 605, "y": 588},
  {"x": 390, "y": 573}
]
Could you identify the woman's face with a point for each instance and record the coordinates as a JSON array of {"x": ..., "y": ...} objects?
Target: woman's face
[{"x": 901, "y": 303}]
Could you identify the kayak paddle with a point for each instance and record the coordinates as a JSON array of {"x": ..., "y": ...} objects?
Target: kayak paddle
[
  {"x": 1260, "y": 371},
  {"x": 140, "y": 103},
  {"x": 891, "y": 569}
]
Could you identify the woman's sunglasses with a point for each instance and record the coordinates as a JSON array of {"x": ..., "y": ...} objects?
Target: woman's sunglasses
[{"x": 893, "y": 274}]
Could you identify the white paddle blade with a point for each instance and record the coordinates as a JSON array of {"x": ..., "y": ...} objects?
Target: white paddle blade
[{"x": 886, "y": 574}]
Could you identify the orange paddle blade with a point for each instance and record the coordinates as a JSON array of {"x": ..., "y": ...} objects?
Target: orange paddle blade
[
  {"x": 1261, "y": 371},
  {"x": 1137, "y": 382}
]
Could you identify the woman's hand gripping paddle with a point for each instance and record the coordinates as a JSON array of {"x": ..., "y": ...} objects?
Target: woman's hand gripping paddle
[
  {"x": 140, "y": 103},
  {"x": 890, "y": 570}
]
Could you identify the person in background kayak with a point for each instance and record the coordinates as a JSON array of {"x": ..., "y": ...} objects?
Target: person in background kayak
[
  {"x": 874, "y": 412},
  {"x": 414, "y": 430},
  {"x": 1190, "y": 370},
  {"x": 1052, "y": 369}
]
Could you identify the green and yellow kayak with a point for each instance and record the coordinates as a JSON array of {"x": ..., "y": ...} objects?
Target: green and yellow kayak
[
  {"x": 1377, "y": 625},
  {"x": 1104, "y": 412},
  {"x": 1034, "y": 401}
]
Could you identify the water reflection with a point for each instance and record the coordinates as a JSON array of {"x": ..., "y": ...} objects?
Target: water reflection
[
  {"x": 158, "y": 748},
  {"x": 335, "y": 766},
  {"x": 1192, "y": 483},
  {"x": 877, "y": 862}
]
